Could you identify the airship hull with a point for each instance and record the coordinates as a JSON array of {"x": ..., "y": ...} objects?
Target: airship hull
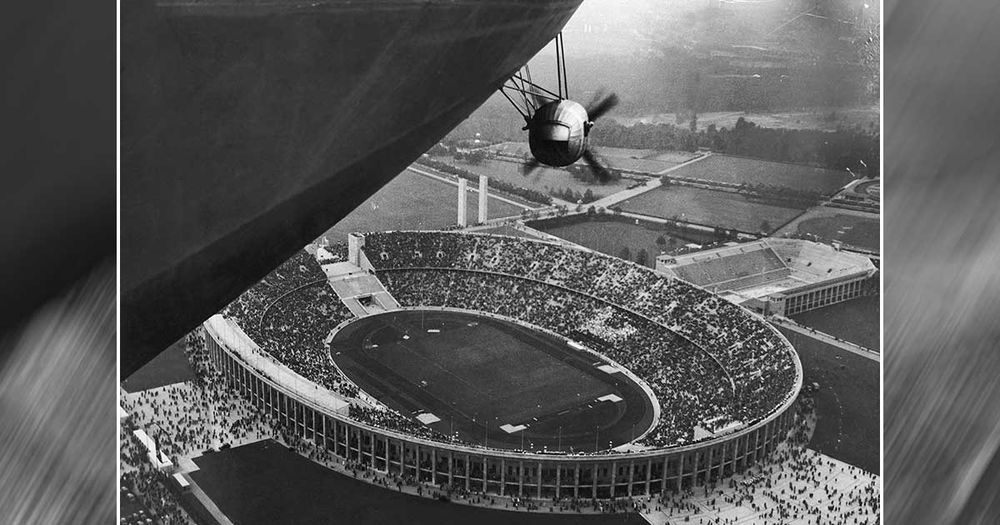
[{"x": 248, "y": 129}]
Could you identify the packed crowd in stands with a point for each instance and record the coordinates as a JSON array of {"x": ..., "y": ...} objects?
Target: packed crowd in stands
[
  {"x": 710, "y": 363},
  {"x": 290, "y": 313},
  {"x": 733, "y": 367}
]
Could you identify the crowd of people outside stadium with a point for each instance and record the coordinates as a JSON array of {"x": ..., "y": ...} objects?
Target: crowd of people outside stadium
[
  {"x": 146, "y": 487},
  {"x": 798, "y": 485}
]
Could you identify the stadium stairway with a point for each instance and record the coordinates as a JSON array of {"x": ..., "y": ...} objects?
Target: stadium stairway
[{"x": 362, "y": 293}]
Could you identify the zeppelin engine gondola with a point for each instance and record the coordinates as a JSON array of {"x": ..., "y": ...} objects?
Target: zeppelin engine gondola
[{"x": 557, "y": 133}]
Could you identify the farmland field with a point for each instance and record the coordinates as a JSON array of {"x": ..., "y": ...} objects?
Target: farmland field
[
  {"x": 739, "y": 170},
  {"x": 714, "y": 208},
  {"x": 413, "y": 202}
]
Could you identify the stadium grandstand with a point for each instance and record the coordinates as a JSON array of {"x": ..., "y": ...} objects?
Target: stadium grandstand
[
  {"x": 720, "y": 380},
  {"x": 775, "y": 276}
]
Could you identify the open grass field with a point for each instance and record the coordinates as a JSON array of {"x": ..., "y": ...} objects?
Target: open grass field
[
  {"x": 542, "y": 179},
  {"x": 264, "y": 483},
  {"x": 170, "y": 367},
  {"x": 856, "y": 320},
  {"x": 713, "y": 208},
  {"x": 739, "y": 170},
  {"x": 847, "y": 403},
  {"x": 411, "y": 201},
  {"x": 477, "y": 374},
  {"x": 854, "y": 230},
  {"x": 643, "y": 160},
  {"x": 610, "y": 235}
]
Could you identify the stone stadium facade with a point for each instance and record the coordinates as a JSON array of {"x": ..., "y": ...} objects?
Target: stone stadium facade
[{"x": 316, "y": 403}]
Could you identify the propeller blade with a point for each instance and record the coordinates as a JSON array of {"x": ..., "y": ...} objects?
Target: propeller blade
[
  {"x": 530, "y": 165},
  {"x": 602, "y": 173},
  {"x": 595, "y": 111}
]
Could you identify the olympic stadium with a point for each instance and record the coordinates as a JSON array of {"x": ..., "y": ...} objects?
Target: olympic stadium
[{"x": 502, "y": 365}]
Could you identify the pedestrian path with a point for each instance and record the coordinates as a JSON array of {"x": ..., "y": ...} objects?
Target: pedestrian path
[
  {"x": 827, "y": 338},
  {"x": 651, "y": 184}
]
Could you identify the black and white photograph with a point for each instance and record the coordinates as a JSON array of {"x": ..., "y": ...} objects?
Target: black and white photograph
[
  {"x": 500, "y": 262},
  {"x": 557, "y": 261}
]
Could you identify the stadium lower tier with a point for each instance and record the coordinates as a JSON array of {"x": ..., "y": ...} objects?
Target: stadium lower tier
[{"x": 301, "y": 407}]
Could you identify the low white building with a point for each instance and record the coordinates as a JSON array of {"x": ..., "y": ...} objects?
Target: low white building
[{"x": 774, "y": 276}]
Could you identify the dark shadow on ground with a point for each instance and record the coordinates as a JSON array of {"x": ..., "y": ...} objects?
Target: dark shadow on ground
[
  {"x": 265, "y": 483},
  {"x": 847, "y": 403},
  {"x": 856, "y": 320},
  {"x": 170, "y": 367}
]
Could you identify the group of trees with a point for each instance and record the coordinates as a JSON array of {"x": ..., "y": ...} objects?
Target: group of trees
[
  {"x": 567, "y": 194},
  {"x": 641, "y": 257},
  {"x": 474, "y": 157},
  {"x": 852, "y": 148}
]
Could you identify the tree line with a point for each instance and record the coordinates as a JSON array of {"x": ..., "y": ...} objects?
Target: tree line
[{"x": 846, "y": 148}]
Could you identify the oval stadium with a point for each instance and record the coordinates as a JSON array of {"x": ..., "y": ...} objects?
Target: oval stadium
[{"x": 503, "y": 365}]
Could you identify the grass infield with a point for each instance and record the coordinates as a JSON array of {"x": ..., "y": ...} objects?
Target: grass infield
[{"x": 477, "y": 374}]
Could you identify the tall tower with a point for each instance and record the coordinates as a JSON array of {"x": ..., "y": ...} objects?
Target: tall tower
[
  {"x": 483, "y": 198},
  {"x": 462, "y": 194}
]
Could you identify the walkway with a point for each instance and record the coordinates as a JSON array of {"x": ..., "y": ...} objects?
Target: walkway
[
  {"x": 651, "y": 184},
  {"x": 352, "y": 284},
  {"x": 826, "y": 338}
]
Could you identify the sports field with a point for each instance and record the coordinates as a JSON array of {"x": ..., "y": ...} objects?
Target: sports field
[
  {"x": 856, "y": 320},
  {"x": 265, "y": 483},
  {"x": 612, "y": 235},
  {"x": 713, "y": 208},
  {"x": 849, "y": 229},
  {"x": 414, "y": 202},
  {"x": 491, "y": 381},
  {"x": 847, "y": 403},
  {"x": 739, "y": 170}
]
